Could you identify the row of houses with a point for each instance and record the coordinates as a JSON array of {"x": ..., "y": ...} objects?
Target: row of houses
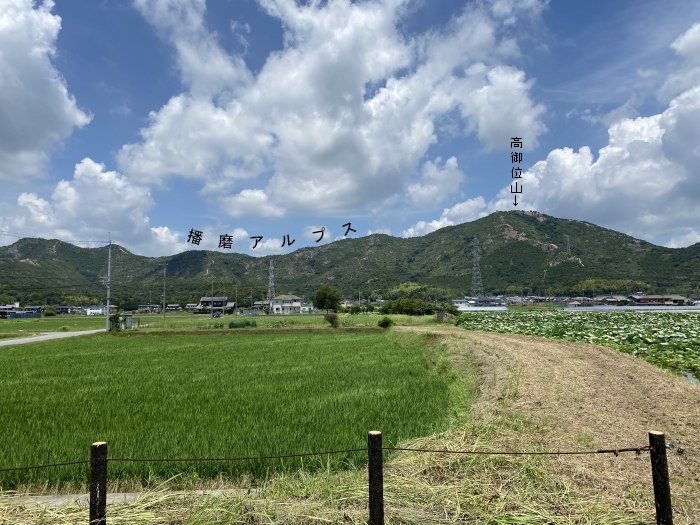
[
  {"x": 13, "y": 311},
  {"x": 281, "y": 304},
  {"x": 636, "y": 299}
]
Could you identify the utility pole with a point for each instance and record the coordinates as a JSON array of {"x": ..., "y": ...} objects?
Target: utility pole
[
  {"x": 211, "y": 309},
  {"x": 109, "y": 280},
  {"x": 271, "y": 285},
  {"x": 164, "y": 268}
]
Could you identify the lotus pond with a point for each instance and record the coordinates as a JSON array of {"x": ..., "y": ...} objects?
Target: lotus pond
[{"x": 667, "y": 339}]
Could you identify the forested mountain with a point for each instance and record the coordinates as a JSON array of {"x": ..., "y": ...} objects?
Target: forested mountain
[{"x": 521, "y": 252}]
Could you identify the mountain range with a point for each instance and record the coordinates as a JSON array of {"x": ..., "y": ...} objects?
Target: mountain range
[{"x": 521, "y": 252}]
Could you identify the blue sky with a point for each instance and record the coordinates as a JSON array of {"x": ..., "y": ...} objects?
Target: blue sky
[{"x": 150, "y": 118}]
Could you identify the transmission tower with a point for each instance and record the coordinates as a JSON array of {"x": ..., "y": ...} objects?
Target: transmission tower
[
  {"x": 568, "y": 251},
  {"x": 271, "y": 284},
  {"x": 477, "y": 288}
]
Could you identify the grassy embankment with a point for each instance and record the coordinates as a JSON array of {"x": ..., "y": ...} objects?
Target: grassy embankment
[{"x": 186, "y": 321}]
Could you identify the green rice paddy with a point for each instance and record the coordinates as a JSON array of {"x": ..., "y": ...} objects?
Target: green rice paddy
[{"x": 217, "y": 394}]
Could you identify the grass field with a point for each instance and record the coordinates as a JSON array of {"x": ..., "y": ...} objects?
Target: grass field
[
  {"x": 184, "y": 321},
  {"x": 215, "y": 395},
  {"x": 63, "y": 323},
  {"x": 10, "y": 328}
]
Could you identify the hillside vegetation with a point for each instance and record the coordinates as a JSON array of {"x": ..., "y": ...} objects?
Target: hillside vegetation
[{"x": 521, "y": 252}]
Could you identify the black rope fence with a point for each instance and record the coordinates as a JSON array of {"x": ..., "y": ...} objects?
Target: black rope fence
[
  {"x": 617, "y": 451},
  {"x": 99, "y": 460},
  {"x": 34, "y": 467}
]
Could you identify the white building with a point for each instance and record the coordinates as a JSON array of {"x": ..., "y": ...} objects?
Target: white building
[{"x": 285, "y": 304}]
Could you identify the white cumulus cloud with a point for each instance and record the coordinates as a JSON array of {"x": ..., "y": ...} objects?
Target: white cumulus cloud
[
  {"x": 466, "y": 211},
  {"x": 687, "y": 46},
  {"x": 436, "y": 183},
  {"x": 92, "y": 202},
  {"x": 643, "y": 182},
  {"x": 342, "y": 117},
  {"x": 37, "y": 113}
]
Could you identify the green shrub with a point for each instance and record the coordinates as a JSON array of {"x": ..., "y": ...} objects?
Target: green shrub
[
  {"x": 385, "y": 322},
  {"x": 407, "y": 307},
  {"x": 241, "y": 323},
  {"x": 332, "y": 318},
  {"x": 50, "y": 311}
]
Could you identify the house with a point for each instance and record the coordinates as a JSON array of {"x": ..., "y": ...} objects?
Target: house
[
  {"x": 100, "y": 310},
  {"x": 261, "y": 305},
  {"x": 191, "y": 307},
  {"x": 150, "y": 308},
  {"x": 285, "y": 304},
  {"x": 95, "y": 310},
  {"x": 19, "y": 314},
  {"x": 213, "y": 303},
  {"x": 34, "y": 309},
  {"x": 660, "y": 300},
  {"x": 306, "y": 308},
  {"x": 230, "y": 307},
  {"x": 173, "y": 307},
  {"x": 463, "y": 302},
  {"x": 611, "y": 300},
  {"x": 63, "y": 310}
]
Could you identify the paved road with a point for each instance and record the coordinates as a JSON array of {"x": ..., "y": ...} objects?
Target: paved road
[{"x": 46, "y": 337}]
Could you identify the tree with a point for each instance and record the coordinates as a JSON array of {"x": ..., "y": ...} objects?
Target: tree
[
  {"x": 326, "y": 298},
  {"x": 407, "y": 306}
]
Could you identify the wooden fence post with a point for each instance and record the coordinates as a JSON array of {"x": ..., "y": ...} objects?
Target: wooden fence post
[
  {"x": 376, "y": 478},
  {"x": 98, "y": 483},
  {"x": 659, "y": 473}
]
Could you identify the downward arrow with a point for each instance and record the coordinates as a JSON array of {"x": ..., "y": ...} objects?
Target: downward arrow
[{"x": 515, "y": 200}]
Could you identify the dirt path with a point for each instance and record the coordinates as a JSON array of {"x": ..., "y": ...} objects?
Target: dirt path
[
  {"x": 48, "y": 336},
  {"x": 586, "y": 397}
]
